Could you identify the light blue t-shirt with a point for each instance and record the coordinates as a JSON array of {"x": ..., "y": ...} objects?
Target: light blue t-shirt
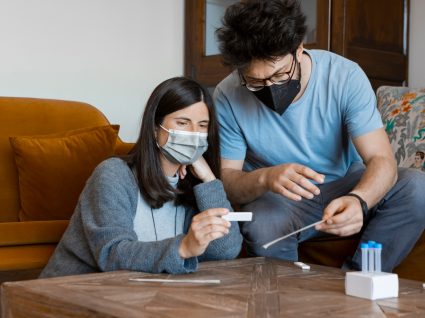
[
  {"x": 338, "y": 104},
  {"x": 159, "y": 224}
]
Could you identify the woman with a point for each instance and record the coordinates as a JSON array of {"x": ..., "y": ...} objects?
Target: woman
[
  {"x": 159, "y": 208},
  {"x": 419, "y": 161}
]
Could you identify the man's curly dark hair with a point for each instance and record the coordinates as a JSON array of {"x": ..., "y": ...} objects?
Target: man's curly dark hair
[{"x": 260, "y": 30}]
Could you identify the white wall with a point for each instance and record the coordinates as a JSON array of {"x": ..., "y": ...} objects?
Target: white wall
[
  {"x": 112, "y": 53},
  {"x": 108, "y": 53},
  {"x": 417, "y": 44}
]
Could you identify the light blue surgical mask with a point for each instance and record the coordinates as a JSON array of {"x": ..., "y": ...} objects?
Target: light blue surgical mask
[{"x": 184, "y": 147}]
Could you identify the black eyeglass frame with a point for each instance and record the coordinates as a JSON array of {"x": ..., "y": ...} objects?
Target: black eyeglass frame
[{"x": 290, "y": 73}]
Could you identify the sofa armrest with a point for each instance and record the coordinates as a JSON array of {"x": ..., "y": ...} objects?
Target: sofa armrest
[
  {"x": 25, "y": 257},
  {"x": 31, "y": 232}
]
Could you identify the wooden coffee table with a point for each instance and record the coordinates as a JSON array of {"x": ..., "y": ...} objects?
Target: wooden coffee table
[{"x": 249, "y": 287}]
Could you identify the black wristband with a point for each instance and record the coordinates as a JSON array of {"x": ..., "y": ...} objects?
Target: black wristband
[{"x": 363, "y": 203}]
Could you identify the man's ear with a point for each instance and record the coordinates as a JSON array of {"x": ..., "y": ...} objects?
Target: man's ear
[{"x": 299, "y": 52}]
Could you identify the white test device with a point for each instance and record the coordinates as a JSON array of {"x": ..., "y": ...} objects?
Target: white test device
[
  {"x": 302, "y": 265},
  {"x": 238, "y": 216}
]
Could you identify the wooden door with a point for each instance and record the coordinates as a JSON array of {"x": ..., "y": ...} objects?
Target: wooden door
[
  {"x": 208, "y": 69},
  {"x": 375, "y": 35},
  {"x": 318, "y": 16}
]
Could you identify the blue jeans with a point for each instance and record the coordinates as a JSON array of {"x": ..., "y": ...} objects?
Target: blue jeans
[{"x": 397, "y": 221}]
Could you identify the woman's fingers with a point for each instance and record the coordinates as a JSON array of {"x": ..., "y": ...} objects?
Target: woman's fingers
[
  {"x": 182, "y": 172},
  {"x": 209, "y": 233},
  {"x": 206, "y": 226},
  {"x": 210, "y": 222},
  {"x": 209, "y": 225}
]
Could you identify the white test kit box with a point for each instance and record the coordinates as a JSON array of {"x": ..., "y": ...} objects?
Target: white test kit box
[{"x": 371, "y": 285}]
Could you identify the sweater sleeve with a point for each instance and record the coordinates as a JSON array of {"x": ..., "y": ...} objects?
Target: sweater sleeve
[
  {"x": 107, "y": 210},
  {"x": 212, "y": 195}
]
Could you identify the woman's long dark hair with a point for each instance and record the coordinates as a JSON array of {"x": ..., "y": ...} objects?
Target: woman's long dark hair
[{"x": 170, "y": 96}]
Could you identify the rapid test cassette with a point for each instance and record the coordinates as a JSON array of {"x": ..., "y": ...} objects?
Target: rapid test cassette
[{"x": 238, "y": 216}]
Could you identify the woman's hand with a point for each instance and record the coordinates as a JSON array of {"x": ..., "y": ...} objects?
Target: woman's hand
[
  {"x": 206, "y": 227},
  {"x": 200, "y": 170}
]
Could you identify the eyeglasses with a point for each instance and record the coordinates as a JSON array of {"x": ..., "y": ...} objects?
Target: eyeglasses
[{"x": 277, "y": 78}]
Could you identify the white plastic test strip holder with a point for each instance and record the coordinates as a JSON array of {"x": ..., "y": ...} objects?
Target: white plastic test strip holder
[{"x": 371, "y": 283}]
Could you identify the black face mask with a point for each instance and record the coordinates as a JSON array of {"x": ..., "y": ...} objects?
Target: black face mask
[{"x": 279, "y": 97}]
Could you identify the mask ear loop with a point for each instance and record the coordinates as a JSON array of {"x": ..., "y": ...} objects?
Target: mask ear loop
[
  {"x": 167, "y": 130},
  {"x": 299, "y": 67},
  {"x": 298, "y": 63},
  {"x": 156, "y": 135}
]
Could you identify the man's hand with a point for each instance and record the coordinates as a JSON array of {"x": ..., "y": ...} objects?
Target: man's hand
[
  {"x": 205, "y": 227},
  {"x": 344, "y": 217},
  {"x": 293, "y": 181}
]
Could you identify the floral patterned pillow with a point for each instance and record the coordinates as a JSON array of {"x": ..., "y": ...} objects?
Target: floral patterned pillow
[{"x": 403, "y": 114}]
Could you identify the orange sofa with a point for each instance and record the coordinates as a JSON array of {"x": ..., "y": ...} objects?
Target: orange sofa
[{"x": 26, "y": 242}]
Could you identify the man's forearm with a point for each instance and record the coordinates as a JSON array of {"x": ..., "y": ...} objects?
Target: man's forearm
[
  {"x": 243, "y": 187},
  {"x": 379, "y": 177}
]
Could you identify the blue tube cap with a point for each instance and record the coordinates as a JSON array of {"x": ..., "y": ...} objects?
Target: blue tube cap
[
  {"x": 378, "y": 245},
  {"x": 364, "y": 245}
]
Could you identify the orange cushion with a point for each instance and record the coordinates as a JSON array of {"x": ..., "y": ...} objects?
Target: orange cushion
[
  {"x": 31, "y": 232},
  {"x": 53, "y": 169}
]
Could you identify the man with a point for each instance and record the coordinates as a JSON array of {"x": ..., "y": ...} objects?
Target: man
[{"x": 302, "y": 140}]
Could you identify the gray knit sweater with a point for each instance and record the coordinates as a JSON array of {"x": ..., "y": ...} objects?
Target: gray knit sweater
[{"x": 100, "y": 235}]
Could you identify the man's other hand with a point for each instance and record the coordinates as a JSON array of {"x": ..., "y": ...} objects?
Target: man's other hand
[{"x": 293, "y": 181}]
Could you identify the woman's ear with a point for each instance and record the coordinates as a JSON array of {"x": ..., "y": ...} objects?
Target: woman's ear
[{"x": 155, "y": 132}]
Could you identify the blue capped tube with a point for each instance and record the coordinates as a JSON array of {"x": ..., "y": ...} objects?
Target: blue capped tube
[
  {"x": 364, "y": 248},
  {"x": 378, "y": 250},
  {"x": 371, "y": 256}
]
